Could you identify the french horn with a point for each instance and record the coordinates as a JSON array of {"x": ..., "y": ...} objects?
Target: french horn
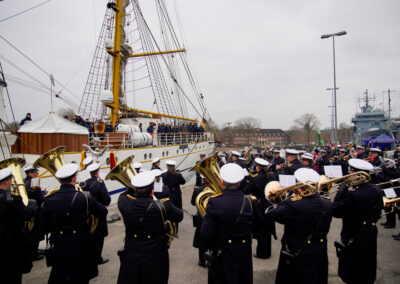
[{"x": 209, "y": 169}]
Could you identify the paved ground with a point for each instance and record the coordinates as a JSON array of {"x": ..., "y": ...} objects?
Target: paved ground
[{"x": 183, "y": 257}]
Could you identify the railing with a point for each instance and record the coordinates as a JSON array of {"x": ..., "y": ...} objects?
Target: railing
[{"x": 126, "y": 140}]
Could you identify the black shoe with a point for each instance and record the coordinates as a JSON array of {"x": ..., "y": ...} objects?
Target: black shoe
[
  {"x": 389, "y": 226},
  {"x": 397, "y": 238},
  {"x": 256, "y": 256},
  {"x": 396, "y": 235},
  {"x": 202, "y": 264},
  {"x": 38, "y": 257},
  {"x": 102, "y": 261}
]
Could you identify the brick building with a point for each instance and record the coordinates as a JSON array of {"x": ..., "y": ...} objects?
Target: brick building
[{"x": 259, "y": 136}]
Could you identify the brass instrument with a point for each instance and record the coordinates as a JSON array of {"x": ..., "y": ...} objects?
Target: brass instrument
[
  {"x": 123, "y": 172},
  {"x": 284, "y": 166},
  {"x": 52, "y": 161},
  {"x": 275, "y": 192},
  {"x": 247, "y": 155},
  {"x": 210, "y": 170},
  {"x": 325, "y": 184},
  {"x": 388, "y": 182},
  {"x": 18, "y": 185},
  {"x": 390, "y": 203}
]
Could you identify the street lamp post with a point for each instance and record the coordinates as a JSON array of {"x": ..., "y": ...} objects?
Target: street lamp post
[
  {"x": 334, "y": 137},
  {"x": 334, "y": 75}
]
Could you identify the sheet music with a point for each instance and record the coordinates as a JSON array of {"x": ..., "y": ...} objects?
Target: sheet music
[
  {"x": 390, "y": 193},
  {"x": 333, "y": 171},
  {"x": 287, "y": 180},
  {"x": 35, "y": 182},
  {"x": 158, "y": 187}
]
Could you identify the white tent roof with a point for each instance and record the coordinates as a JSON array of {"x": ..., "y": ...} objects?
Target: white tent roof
[{"x": 53, "y": 123}]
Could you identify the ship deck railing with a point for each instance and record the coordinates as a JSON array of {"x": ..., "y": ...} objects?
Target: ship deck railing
[{"x": 125, "y": 140}]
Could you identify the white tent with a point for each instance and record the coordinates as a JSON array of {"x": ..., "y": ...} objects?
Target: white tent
[{"x": 53, "y": 123}]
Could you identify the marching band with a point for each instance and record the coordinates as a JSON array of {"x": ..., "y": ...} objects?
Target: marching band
[{"x": 238, "y": 198}]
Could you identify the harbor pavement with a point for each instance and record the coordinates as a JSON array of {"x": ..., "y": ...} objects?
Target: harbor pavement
[{"x": 183, "y": 257}]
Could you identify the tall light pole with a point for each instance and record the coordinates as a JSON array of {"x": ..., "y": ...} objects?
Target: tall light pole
[
  {"x": 334, "y": 75},
  {"x": 334, "y": 137}
]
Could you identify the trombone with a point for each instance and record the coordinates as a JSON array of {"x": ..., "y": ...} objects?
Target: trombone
[{"x": 325, "y": 184}]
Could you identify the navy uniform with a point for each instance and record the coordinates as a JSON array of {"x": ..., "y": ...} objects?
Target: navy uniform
[
  {"x": 361, "y": 155},
  {"x": 13, "y": 240},
  {"x": 307, "y": 223},
  {"x": 343, "y": 163},
  {"x": 155, "y": 164},
  {"x": 360, "y": 209},
  {"x": 238, "y": 161},
  {"x": 292, "y": 167},
  {"x": 256, "y": 187},
  {"x": 145, "y": 257},
  {"x": 226, "y": 230},
  {"x": 322, "y": 161},
  {"x": 161, "y": 191},
  {"x": 174, "y": 182},
  {"x": 35, "y": 235},
  {"x": 376, "y": 161},
  {"x": 98, "y": 191},
  {"x": 307, "y": 161},
  {"x": 276, "y": 161},
  {"x": 65, "y": 216},
  {"x": 197, "y": 221}
]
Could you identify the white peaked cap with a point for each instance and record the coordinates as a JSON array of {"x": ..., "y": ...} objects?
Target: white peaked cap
[
  {"x": 67, "y": 171},
  {"x": 87, "y": 161},
  {"x": 261, "y": 162},
  {"x": 156, "y": 172},
  {"x": 93, "y": 167},
  {"x": 231, "y": 173},
  {"x": 360, "y": 147},
  {"x": 5, "y": 173},
  {"x": 170, "y": 163},
  {"x": 235, "y": 153},
  {"x": 77, "y": 114},
  {"x": 156, "y": 159},
  {"x": 377, "y": 150},
  {"x": 143, "y": 179},
  {"x": 307, "y": 156},
  {"x": 361, "y": 164},
  {"x": 305, "y": 174},
  {"x": 137, "y": 165},
  {"x": 291, "y": 151}
]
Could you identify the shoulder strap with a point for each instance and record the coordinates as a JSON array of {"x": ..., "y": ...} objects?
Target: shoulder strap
[{"x": 72, "y": 203}]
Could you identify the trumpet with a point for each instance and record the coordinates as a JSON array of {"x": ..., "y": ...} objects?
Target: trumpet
[{"x": 325, "y": 184}]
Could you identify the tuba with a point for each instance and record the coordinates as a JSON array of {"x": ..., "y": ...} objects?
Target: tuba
[
  {"x": 210, "y": 170},
  {"x": 325, "y": 184},
  {"x": 123, "y": 172},
  {"x": 18, "y": 185},
  {"x": 247, "y": 155}
]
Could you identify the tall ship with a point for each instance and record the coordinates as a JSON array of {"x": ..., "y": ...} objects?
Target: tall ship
[{"x": 130, "y": 70}]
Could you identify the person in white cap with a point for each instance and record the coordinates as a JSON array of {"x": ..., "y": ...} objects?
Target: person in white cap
[
  {"x": 342, "y": 161},
  {"x": 293, "y": 163},
  {"x": 98, "y": 190},
  {"x": 64, "y": 216},
  {"x": 156, "y": 163},
  {"x": 34, "y": 192},
  {"x": 87, "y": 161},
  {"x": 361, "y": 153},
  {"x": 307, "y": 161},
  {"x": 78, "y": 119},
  {"x": 226, "y": 230},
  {"x": 145, "y": 258},
  {"x": 236, "y": 159},
  {"x": 360, "y": 209},
  {"x": 322, "y": 161},
  {"x": 174, "y": 180},
  {"x": 304, "y": 257},
  {"x": 375, "y": 157},
  {"x": 256, "y": 187},
  {"x": 13, "y": 215},
  {"x": 276, "y": 160},
  {"x": 161, "y": 191},
  {"x": 138, "y": 167}
]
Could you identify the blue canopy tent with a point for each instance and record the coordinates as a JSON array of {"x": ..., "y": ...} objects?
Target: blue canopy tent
[{"x": 384, "y": 142}]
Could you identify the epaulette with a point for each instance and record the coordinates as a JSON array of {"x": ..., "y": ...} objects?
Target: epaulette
[
  {"x": 325, "y": 197},
  {"x": 131, "y": 197},
  {"x": 100, "y": 180},
  {"x": 51, "y": 192},
  {"x": 216, "y": 195},
  {"x": 164, "y": 199},
  {"x": 253, "y": 197}
]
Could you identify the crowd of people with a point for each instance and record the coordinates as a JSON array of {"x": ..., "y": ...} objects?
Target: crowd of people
[{"x": 73, "y": 222}]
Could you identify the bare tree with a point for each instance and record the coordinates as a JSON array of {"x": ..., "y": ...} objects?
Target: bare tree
[
  {"x": 67, "y": 113},
  {"x": 309, "y": 123},
  {"x": 247, "y": 125}
]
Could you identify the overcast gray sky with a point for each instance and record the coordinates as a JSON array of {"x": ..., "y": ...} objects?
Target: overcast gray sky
[{"x": 254, "y": 58}]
